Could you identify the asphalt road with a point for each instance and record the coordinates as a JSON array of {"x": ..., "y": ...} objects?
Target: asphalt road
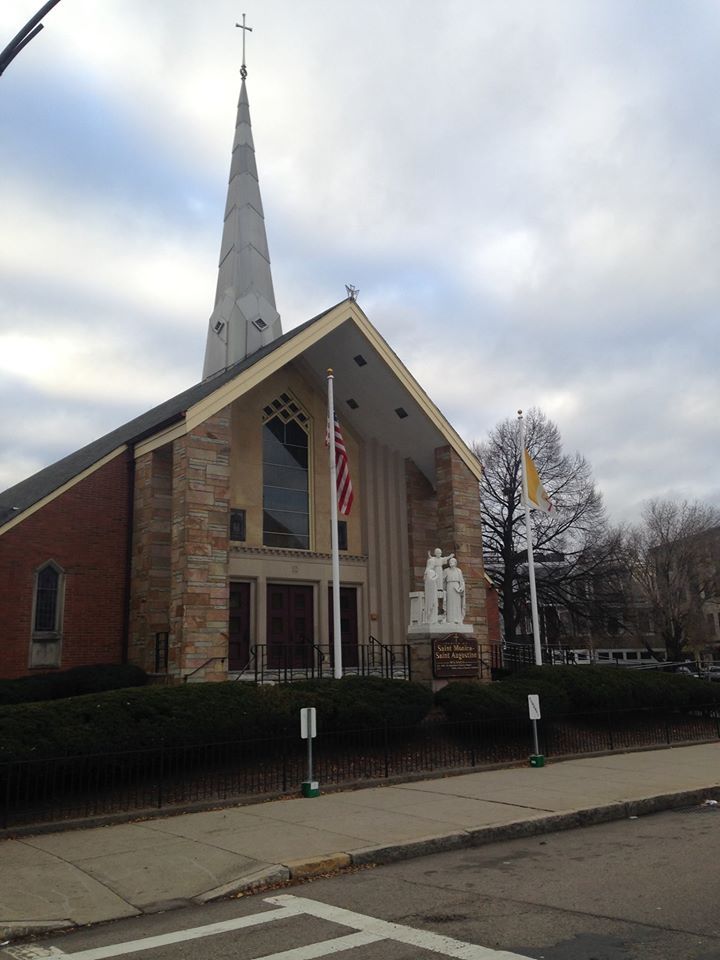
[{"x": 641, "y": 889}]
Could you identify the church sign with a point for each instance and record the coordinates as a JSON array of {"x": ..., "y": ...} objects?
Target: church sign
[{"x": 455, "y": 656}]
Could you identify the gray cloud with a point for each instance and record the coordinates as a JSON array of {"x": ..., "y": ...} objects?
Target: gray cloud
[{"x": 527, "y": 196}]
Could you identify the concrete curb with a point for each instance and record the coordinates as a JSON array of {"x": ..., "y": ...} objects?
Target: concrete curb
[
  {"x": 16, "y": 929},
  {"x": 297, "y": 870},
  {"x": 259, "y": 880},
  {"x": 553, "y": 823},
  {"x": 317, "y": 866}
]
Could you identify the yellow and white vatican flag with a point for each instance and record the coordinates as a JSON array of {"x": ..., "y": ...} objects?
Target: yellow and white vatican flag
[{"x": 536, "y": 494}]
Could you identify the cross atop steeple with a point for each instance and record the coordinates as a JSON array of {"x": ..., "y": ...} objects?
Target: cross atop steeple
[{"x": 243, "y": 68}]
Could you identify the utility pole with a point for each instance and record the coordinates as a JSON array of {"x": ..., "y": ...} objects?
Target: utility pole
[{"x": 31, "y": 29}]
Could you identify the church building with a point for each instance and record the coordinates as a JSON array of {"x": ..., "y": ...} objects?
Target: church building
[{"x": 195, "y": 540}]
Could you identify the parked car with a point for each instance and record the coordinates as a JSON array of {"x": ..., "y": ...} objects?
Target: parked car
[{"x": 687, "y": 671}]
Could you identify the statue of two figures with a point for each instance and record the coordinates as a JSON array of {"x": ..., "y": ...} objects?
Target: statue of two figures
[{"x": 444, "y": 585}]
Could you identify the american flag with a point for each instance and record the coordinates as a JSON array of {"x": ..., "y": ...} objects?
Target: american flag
[{"x": 344, "y": 483}]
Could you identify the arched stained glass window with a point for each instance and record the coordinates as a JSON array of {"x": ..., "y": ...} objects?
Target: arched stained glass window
[{"x": 286, "y": 505}]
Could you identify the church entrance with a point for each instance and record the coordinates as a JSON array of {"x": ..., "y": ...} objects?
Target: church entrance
[
  {"x": 239, "y": 626},
  {"x": 348, "y": 626},
  {"x": 290, "y": 625}
]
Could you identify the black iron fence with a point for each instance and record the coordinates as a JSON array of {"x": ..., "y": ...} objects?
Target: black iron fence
[
  {"x": 283, "y": 663},
  {"x": 71, "y": 788}
]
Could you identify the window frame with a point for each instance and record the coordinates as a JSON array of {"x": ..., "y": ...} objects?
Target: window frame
[
  {"x": 46, "y": 645},
  {"x": 286, "y": 408}
]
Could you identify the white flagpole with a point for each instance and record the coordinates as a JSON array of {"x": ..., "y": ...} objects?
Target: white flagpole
[
  {"x": 531, "y": 559},
  {"x": 337, "y": 638}
]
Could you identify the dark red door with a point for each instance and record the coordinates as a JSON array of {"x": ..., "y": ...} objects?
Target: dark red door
[
  {"x": 239, "y": 626},
  {"x": 290, "y": 625},
  {"x": 348, "y": 626}
]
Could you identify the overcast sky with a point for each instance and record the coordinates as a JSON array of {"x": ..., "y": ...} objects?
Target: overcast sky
[{"x": 527, "y": 195}]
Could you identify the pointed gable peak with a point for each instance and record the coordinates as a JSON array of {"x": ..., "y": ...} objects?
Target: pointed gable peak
[{"x": 245, "y": 317}]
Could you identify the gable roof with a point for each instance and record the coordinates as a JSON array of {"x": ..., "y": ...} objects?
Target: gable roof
[{"x": 384, "y": 392}]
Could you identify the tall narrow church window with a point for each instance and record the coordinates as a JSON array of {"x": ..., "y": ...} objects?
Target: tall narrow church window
[
  {"x": 47, "y": 594},
  {"x": 286, "y": 505},
  {"x": 47, "y": 618}
]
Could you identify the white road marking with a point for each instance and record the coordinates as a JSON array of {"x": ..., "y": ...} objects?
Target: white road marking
[
  {"x": 325, "y": 947},
  {"x": 367, "y": 930},
  {"x": 180, "y": 936},
  {"x": 423, "y": 939}
]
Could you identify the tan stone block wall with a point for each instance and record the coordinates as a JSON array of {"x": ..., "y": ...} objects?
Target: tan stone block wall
[
  {"x": 199, "y": 600},
  {"x": 460, "y": 532},
  {"x": 422, "y": 522}
]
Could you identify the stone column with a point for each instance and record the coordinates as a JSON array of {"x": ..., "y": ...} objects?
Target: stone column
[
  {"x": 200, "y": 543},
  {"x": 459, "y": 532},
  {"x": 150, "y": 583},
  {"x": 421, "y": 521}
]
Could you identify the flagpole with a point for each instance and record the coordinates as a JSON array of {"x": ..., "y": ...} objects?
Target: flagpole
[
  {"x": 337, "y": 637},
  {"x": 528, "y": 537}
]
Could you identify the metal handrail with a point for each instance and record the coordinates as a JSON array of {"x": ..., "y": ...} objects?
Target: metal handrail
[
  {"x": 202, "y": 666},
  {"x": 240, "y": 673},
  {"x": 383, "y": 646}
]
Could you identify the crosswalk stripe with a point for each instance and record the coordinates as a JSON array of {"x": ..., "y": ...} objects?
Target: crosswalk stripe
[
  {"x": 180, "y": 936},
  {"x": 424, "y": 939},
  {"x": 325, "y": 947}
]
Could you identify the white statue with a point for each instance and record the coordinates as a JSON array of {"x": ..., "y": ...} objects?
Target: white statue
[
  {"x": 454, "y": 593},
  {"x": 434, "y": 583}
]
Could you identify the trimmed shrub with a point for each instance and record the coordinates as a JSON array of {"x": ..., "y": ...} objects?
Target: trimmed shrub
[
  {"x": 580, "y": 689},
  {"x": 71, "y": 683},
  {"x": 354, "y": 703},
  {"x": 134, "y": 719},
  {"x": 591, "y": 688},
  {"x": 471, "y": 700}
]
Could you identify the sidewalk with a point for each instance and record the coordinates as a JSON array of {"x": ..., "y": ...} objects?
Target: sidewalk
[{"x": 105, "y": 873}]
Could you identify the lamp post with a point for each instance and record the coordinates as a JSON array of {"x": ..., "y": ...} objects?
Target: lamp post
[{"x": 31, "y": 29}]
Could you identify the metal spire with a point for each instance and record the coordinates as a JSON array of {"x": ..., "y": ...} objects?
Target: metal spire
[{"x": 245, "y": 317}]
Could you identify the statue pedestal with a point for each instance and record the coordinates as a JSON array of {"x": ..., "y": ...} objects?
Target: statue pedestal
[{"x": 443, "y": 652}]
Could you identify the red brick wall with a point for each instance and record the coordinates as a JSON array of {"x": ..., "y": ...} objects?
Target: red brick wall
[{"x": 84, "y": 531}]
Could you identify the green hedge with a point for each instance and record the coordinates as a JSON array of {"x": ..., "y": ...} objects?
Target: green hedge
[
  {"x": 134, "y": 719},
  {"x": 363, "y": 702},
  {"x": 71, "y": 683},
  {"x": 581, "y": 689}
]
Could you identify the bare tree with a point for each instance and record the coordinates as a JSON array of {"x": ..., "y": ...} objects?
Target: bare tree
[
  {"x": 573, "y": 545},
  {"x": 672, "y": 556}
]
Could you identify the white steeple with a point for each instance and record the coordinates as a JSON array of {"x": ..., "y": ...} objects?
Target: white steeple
[{"x": 245, "y": 317}]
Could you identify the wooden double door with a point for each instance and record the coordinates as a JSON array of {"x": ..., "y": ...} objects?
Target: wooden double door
[{"x": 290, "y": 625}]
